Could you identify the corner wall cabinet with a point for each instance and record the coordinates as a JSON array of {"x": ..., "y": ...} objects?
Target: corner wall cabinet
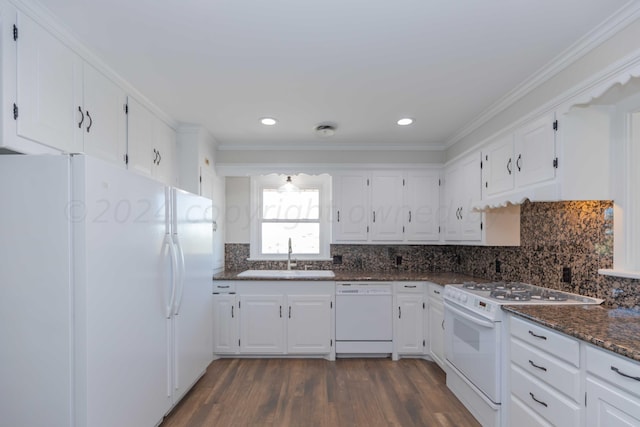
[{"x": 386, "y": 206}]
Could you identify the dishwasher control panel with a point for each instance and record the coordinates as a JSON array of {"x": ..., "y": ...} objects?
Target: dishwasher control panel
[{"x": 364, "y": 288}]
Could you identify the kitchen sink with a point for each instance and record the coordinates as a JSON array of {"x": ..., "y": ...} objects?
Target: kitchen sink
[{"x": 288, "y": 274}]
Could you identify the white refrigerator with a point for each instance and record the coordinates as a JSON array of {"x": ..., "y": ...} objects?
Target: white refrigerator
[{"x": 105, "y": 293}]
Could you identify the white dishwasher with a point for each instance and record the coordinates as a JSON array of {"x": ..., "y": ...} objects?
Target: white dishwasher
[{"x": 364, "y": 324}]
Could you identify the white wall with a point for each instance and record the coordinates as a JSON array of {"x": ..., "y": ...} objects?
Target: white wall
[{"x": 238, "y": 216}]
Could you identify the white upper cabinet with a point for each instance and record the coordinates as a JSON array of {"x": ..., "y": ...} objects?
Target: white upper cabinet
[
  {"x": 103, "y": 121},
  {"x": 534, "y": 152},
  {"x": 498, "y": 167},
  {"x": 62, "y": 102},
  {"x": 351, "y": 207},
  {"x": 387, "y": 210},
  {"x": 386, "y": 206},
  {"x": 462, "y": 186},
  {"x": 421, "y": 201},
  {"x": 49, "y": 87},
  {"x": 151, "y": 144},
  {"x": 518, "y": 161}
]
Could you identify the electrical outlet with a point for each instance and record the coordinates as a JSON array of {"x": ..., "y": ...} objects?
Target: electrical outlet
[
  {"x": 498, "y": 266},
  {"x": 398, "y": 260},
  {"x": 566, "y": 274},
  {"x": 337, "y": 259}
]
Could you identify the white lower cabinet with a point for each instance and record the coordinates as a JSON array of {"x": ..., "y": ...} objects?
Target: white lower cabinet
[
  {"x": 408, "y": 319},
  {"x": 544, "y": 376},
  {"x": 309, "y": 324},
  {"x": 613, "y": 389},
  {"x": 275, "y": 318},
  {"x": 261, "y": 324},
  {"x": 225, "y": 324},
  {"x": 436, "y": 323},
  {"x": 557, "y": 380}
]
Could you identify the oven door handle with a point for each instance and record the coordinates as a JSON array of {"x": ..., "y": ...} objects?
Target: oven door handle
[{"x": 475, "y": 320}]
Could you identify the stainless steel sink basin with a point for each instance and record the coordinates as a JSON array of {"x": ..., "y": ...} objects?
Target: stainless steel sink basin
[{"x": 288, "y": 274}]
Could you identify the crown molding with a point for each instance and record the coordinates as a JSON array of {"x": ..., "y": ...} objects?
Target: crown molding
[
  {"x": 252, "y": 169},
  {"x": 614, "y": 24},
  {"x": 333, "y": 147}
]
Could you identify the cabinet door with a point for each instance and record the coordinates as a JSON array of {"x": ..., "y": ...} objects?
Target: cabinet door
[
  {"x": 351, "y": 211},
  {"x": 309, "y": 324},
  {"x": 498, "y": 167},
  {"x": 422, "y": 196},
  {"x": 535, "y": 149},
  {"x": 140, "y": 123},
  {"x": 164, "y": 144},
  {"x": 261, "y": 324},
  {"x": 436, "y": 331},
  {"x": 452, "y": 205},
  {"x": 408, "y": 314},
  {"x": 470, "y": 221},
  {"x": 49, "y": 88},
  {"x": 104, "y": 126},
  {"x": 225, "y": 324},
  {"x": 387, "y": 213},
  {"x": 609, "y": 407}
]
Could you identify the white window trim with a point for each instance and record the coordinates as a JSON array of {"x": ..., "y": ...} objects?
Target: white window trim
[{"x": 258, "y": 183}]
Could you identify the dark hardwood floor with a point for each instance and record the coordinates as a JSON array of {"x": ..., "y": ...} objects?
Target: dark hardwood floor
[{"x": 316, "y": 392}]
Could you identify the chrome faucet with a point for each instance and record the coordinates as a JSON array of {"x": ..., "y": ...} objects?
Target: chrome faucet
[{"x": 289, "y": 263}]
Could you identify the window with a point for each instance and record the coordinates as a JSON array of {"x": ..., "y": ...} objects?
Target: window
[{"x": 300, "y": 214}]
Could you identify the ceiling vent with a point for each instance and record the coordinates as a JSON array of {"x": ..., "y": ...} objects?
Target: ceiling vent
[{"x": 325, "y": 131}]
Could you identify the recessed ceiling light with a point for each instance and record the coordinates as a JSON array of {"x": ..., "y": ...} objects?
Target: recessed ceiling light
[
  {"x": 268, "y": 121},
  {"x": 405, "y": 121}
]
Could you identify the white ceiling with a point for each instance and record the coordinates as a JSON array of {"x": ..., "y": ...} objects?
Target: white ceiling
[{"x": 361, "y": 64}]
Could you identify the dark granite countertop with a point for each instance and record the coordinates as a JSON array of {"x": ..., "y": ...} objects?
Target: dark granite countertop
[
  {"x": 617, "y": 330},
  {"x": 344, "y": 276}
]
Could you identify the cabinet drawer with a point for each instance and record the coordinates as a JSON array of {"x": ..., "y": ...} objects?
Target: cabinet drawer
[
  {"x": 436, "y": 291},
  {"x": 546, "y": 402},
  {"x": 561, "y": 346},
  {"x": 409, "y": 287},
  {"x": 559, "y": 375},
  {"x": 224, "y": 287},
  {"x": 523, "y": 416},
  {"x": 614, "y": 369}
]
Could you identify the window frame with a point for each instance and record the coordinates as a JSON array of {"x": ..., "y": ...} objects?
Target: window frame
[{"x": 320, "y": 182}]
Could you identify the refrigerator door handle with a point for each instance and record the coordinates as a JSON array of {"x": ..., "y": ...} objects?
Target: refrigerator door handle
[
  {"x": 174, "y": 272},
  {"x": 180, "y": 281}
]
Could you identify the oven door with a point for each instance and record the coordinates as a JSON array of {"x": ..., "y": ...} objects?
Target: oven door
[{"x": 472, "y": 346}]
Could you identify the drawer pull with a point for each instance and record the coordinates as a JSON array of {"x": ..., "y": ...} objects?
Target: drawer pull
[
  {"x": 538, "y": 401},
  {"x": 410, "y": 286},
  {"x": 617, "y": 371},
  {"x": 542, "y": 368},
  {"x": 542, "y": 337},
  {"x": 436, "y": 292},
  {"x": 223, "y": 287}
]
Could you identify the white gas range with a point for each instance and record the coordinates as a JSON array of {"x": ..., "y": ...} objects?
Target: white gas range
[{"x": 474, "y": 339}]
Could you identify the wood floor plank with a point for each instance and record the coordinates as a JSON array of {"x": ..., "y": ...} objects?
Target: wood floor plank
[{"x": 316, "y": 392}]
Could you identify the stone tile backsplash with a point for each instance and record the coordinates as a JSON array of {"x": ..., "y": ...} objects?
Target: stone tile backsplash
[{"x": 553, "y": 237}]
